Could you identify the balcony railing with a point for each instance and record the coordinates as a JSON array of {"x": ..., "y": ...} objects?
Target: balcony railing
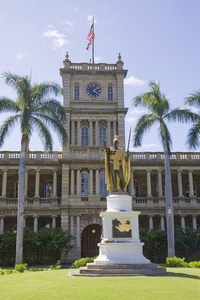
[
  {"x": 30, "y": 202},
  {"x": 97, "y": 154}
]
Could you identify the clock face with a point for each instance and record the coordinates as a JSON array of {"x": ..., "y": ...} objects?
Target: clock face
[{"x": 93, "y": 90}]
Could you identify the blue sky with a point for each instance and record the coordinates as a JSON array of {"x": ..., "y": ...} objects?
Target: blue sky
[{"x": 158, "y": 40}]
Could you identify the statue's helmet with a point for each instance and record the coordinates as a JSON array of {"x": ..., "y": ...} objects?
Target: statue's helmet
[{"x": 116, "y": 138}]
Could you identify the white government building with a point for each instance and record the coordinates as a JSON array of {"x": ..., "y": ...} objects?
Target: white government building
[{"x": 68, "y": 188}]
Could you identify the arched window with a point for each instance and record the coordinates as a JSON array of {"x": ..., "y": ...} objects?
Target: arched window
[
  {"x": 103, "y": 186},
  {"x": 49, "y": 189},
  {"x": 187, "y": 189},
  {"x": 110, "y": 93},
  {"x": 136, "y": 189},
  {"x": 84, "y": 136},
  {"x": 102, "y": 135},
  {"x": 16, "y": 189},
  {"x": 84, "y": 183},
  {"x": 76, "y": 92}
]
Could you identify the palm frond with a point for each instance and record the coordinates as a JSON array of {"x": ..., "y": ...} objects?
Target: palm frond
[
  {"x": 7, "y": 126},
  {"x": 7, "y": 104},
  {"x": 193, "y": 136},
  {"x": 194, "y": 99},
  {"x": 44, "y": 134},
  {"x": 142, "y": 126},
  {"x": 44, "y": 89},
  {"x": 53, "y": 108},
  {"x": 55, "y": 124},
  {"x": 182, "y": 115}
]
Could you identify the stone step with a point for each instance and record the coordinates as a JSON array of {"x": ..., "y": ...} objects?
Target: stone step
[
  {"x": 151, "y": 266},
  {"x": 121, "y": 271}
]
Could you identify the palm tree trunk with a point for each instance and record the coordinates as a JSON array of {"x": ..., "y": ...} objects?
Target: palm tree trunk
[
  {"x": 168, "y": 202},
  {"x": 21, "y": 200}
]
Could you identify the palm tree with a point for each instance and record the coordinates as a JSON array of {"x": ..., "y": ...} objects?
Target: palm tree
[
  {"x": 193, "y": 137},
  {"x": 34, "y": 109},
  {"x": 159, "y": 107}
]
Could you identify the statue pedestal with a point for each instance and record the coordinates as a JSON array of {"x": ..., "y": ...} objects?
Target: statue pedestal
[
  {"x": 120, "y": 243},
  {"x": 120, "y": 250}
]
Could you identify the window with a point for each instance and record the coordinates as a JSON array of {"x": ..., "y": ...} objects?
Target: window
[
  {"x": 16, "y": 189},
  {"x": 136, "y": 189},
  {"x": 76, "y": 92},
  {"x": 103, "y": 187},
  {"x": 110, "y": 93},
  {"x": 163, "y": 188},
  {"x": 49, "y": 189},
  {"x": 102, "y": 135},
  {"x": 84, "y": 183},
  {"x": 187, "y": 189},
  {"x": 84, "y": 136}
]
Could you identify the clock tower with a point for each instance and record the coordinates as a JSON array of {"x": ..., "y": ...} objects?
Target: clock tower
[{"x": 94, "y": 103}]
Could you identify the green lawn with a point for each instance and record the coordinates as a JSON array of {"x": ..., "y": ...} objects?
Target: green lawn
[{"x": 184, "y": 284}]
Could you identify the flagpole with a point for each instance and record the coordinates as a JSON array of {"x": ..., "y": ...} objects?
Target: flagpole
[{"x": 93, "y": 43}]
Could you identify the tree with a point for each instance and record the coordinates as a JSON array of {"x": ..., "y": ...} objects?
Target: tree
[
  {"x": 193, "y": 137},
  {"x": 34, "y": 109},
  {"x": 159, "y": 107}
]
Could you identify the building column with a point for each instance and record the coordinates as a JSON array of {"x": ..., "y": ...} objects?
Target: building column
[
  {"x": 90, "y": 182},
  {"x": 97, "y": 182},
  {"x": 194, "y": 222},
  {"x": 108, "y": 132},
  {"x": 114, "y": 129},
  {"x": 55, "y": 183},
  {"x": 2, "y": 224},
  {"x": 150, "y": 222},
  {"x": 37, "y": 183},
  {"x": 4, "y": 183},
  {"x": 132, "y": 183},
  {"x": 72, "y": 182},
  {"x": 72, "y": 227},
  {"x": 183, "y": 222},
  {"x": 90, "y": 133},
  {"x": 72, "y": 132},
  {"x": 26, "y": 183},
  {"x": 162, "y": 222},
  {"x": 180, "y": 185},
  {"x": 53, "y": 221},
  {"x": 96, "y": 133},
  {"x": 78, "y": 133},
  {"x": 78, "y": 186},
  {"x": 148, "y": 183},
  {"x": 78, "y": 232},
  {"x": 160, "y": 189},
  {"x": 191, "y": 187},
  {"x": 35, "y": 224}
]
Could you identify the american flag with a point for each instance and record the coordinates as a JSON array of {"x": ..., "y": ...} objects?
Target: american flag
[
  {"x": 91, "y": 33},
  {"x": 88, "y": 45}
]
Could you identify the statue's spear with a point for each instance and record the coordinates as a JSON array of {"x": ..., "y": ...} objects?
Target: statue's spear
[{"x": 129, "y": 138}]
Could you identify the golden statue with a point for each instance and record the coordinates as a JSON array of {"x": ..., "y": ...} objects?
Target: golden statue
[{"x": 117, "y": 167}]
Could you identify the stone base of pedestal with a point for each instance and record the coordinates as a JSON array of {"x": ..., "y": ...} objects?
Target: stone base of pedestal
[
  {"x": 94, "y": 270},
  {"x": 120, "y": 253}
]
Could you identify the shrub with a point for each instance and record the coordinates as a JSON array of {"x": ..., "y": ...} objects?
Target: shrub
[
  {"x": 82, "y": 262},
  {"x": 176, "y": 262},
  {"x": 194, "y": 264},
  {"x": 20, "y": 268}
]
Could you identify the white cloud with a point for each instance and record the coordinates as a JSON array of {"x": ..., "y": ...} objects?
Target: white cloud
[
  {"x": 50, "y": 26},
  {"x": 68, "y": 23},
  {"x": 90, "y": 20},
  {"x": 134, "y": 81},
  {"x": 137, "y": 111},
  {"x": 58, "y": 39},
  {"x": 97, "y": 59},
  {"x": 130, "y": 120},
  {"x": 19, "y": 55}
]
